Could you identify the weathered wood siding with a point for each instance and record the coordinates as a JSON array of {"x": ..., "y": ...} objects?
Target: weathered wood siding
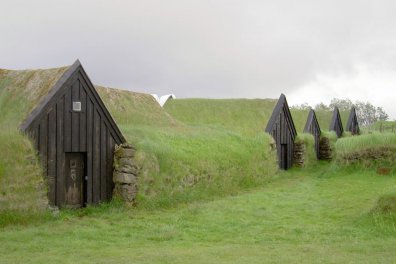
[
  {"x": 336, "y": 123},
  {"x": 312, "y": 127},
  {"x": 58, "y": 130},
  {"x": 282, "y": 129},
  {"x": 353, "y": 124}
]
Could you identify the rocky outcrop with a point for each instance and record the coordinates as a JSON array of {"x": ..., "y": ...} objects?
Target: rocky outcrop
[{"x": 125, "y": 173}]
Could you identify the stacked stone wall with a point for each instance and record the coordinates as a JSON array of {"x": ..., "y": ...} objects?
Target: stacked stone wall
[
  {"x": 125, "y": 173},
  {"x": 325, "y": 151},
  {"x": 299, "y": 154}
]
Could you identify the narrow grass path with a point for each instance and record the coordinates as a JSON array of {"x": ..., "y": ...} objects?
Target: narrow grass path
[{"x": 297, "y": 218}]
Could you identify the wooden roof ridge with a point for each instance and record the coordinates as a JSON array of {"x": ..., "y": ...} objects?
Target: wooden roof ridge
[
  {"x": 56, "y": 90},
  {"x": 277, "y": 110},
  {"x": 351, "y": 118},
  {"x": 311, "y": 120}
]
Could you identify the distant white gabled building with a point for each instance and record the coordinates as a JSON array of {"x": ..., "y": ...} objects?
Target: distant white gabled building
[{"x": 163, "y": 99}]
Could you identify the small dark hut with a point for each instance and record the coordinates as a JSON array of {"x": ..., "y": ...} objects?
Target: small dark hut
[
  {"x": 352, "y": 124},
  {"x": 312, "y": 127},
  {"x": 282, "y": 129},
  {"x": 75, "y": 136},
  {"x": 336, "y": 123}
]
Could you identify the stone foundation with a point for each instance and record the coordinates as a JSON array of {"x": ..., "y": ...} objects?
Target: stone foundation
[
  {"x": 299, "y": 154},
  {"x": 125, "y": 173},
  {"x": 325, "y": 151}
]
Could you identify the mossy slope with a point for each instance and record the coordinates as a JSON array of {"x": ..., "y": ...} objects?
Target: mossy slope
[
  {"x": 21, "y": 181},
  {"x": 183, "y": 160}
]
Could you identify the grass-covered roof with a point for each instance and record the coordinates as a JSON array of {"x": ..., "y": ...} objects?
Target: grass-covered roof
[{"x": 21, "y": 91}]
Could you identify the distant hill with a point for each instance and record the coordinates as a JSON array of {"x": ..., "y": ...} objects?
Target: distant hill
[{"x": 248, "y": 116}]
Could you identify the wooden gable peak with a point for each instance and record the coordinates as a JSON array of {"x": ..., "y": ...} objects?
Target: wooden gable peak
[
  {"x": 311, "y": 121},
  {"x": 281, "y": 105},
  {"x": 353, "y": 121},
  {"x": 336, "y": 122},
  {"x": 58, "y": 89}
]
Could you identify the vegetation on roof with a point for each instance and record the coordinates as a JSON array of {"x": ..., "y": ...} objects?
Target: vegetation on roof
[
  {"x": 128, "y": 108},
  {"x": 22, "y": 91},
  {"x": 22, "y": 186},
  {"x": 185, "y": 160}
]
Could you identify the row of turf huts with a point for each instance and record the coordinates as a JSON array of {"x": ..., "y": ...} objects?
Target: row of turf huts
[
  {"x": 75, "y": 134},
  {"x": 281, "y": 127}
]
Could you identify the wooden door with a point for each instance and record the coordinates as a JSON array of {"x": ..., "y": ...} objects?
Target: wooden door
[{"x": 75, "y": 176}]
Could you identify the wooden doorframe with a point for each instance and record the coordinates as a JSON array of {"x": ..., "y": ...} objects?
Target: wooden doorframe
[{"x": 75, "y": 179}]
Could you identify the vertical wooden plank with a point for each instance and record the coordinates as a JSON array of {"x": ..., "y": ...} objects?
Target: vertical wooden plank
[
  {"x": 44, "y": 144},
  {"x": 278, "y": 141},
  {"x": 284, "y": 128},
  {"x": 37, "y": 137},
  {"x": 96, "y": 158},
  {"x": 52, "y": 155},
  {"x": 33, "y": 134},
  {"x": 67, "y": 121},
  {"x": 90, "y": 121},
  {"x": 75, "y": 121},
  {"x": 60, "y": 155},
  {"x": 110, "y": 157},
  {"x": 83, "y": 119},
  {"x": 290, "y": 154},
  {"x": 103, "y": 161}
]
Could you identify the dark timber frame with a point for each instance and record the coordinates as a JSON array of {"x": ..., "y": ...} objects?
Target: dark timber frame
[
  {"x": 353, "y": 124},
  {"x": 282, "y": 129},
  {"x": 336, "y": 123},
  {"x": 57, "y": 129},
  {"x": 312, "y": 127}
]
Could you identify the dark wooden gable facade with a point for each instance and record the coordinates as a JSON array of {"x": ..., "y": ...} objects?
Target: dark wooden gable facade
[
  {"x": 336, "y": 123},
  {"x": 282, "y": 129},
  {"x": 312, "y": 127},
  {"x": 353, "y": 125},
  {"x": 75, "y": 136}
]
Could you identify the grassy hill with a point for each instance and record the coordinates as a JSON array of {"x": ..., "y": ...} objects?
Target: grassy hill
[
  {"x": 21, "y": 182},
  {"x": 247, "y": 116},
  {"x": 185, "y": 161},
  {"x": 180, "y": 162}
]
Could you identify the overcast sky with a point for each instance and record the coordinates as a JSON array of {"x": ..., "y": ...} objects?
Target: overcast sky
[{"x": 311, "y": 50}]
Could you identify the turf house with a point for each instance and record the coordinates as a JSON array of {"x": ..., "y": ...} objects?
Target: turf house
[
  {"x": 282, "y": 129},
  {"x": 312, "y": 127},
  {"x": 75, "y": 136},
  {"x": 353, "y": 124},
  {"x": 336, "y": 123}
]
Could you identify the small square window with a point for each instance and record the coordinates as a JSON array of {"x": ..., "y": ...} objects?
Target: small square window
[{"x": 77, "y": 106}]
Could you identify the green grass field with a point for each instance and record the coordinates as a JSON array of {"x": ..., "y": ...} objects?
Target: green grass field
[{"x": 320, "y": 215}]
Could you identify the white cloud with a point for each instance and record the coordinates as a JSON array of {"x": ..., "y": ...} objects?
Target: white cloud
[
  {"x": 215, "y": 48},
  {"x": 364, "y": 84}
]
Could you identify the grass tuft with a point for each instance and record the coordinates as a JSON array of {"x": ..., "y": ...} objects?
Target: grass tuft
[{"x": 386, "y": 204}]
